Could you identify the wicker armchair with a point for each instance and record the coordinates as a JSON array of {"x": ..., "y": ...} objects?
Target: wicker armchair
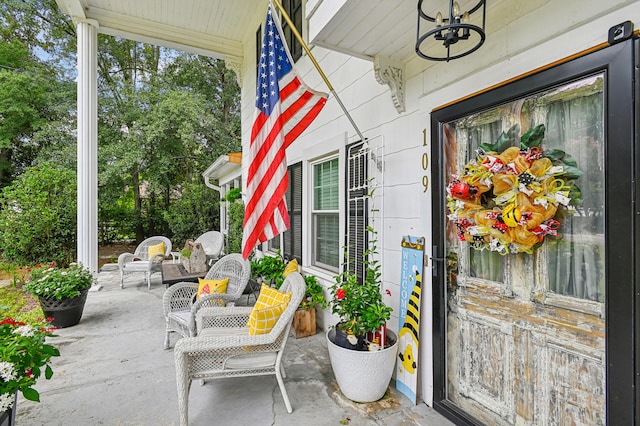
[
  {"x": 180, "y": 306},
  {"x": 212, "y": 243},
  {"x": 139, "y": 261},
  {"x": 224, "y": 348}
]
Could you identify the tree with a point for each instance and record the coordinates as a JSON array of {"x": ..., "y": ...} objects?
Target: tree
[
  {"x": 38, "y": 216},
  {"x": 164, "y": 117},
  {"x": 165, "y": 125},
  {"x": 34, "y": 106}
]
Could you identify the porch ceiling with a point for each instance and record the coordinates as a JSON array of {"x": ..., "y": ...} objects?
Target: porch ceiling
[
  {"x": 366, "y": 28},
  {"x": 218, "y": 28},
  {"x": 209, "y": 27}
]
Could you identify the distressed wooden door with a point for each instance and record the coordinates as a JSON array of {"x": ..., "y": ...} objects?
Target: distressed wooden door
[{"x": 525, "y": 328}]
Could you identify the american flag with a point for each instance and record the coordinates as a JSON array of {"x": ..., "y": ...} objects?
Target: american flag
[{"x": 285, "y": 107}]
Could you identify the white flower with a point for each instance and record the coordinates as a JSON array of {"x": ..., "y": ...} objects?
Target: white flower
[
  {"x": 25, "y": 330},
  {"x": 6, "y": 401},
  {"x": 7, "y": 372}
]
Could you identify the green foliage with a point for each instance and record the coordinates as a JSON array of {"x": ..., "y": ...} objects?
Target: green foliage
[
  {"x": 194, "y": 213},
  {"x": 164, "y": 116},
  {"x": 15, "y": 303},
  {"x": 236, "y": 219},
  {"x": 269, "y": 269},
  {"x": 53, "y": 282},
  {"x": 314, "y": 294},
  {"x": 38, "y": 217},
  {"x": 23, "y": 355},
  {"x": 233, "y": 194},
  {"x": 34, "y": 106},
  {"x": 360, "y": 307}
]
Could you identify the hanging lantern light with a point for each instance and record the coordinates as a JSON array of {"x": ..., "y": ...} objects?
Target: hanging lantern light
[{"x": 457, "y": 28}]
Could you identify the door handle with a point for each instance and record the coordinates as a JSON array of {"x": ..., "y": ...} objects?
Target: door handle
[{"x": 434, "y": 258}]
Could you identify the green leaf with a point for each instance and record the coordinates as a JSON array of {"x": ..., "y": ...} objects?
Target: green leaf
[
  {"x": 48, "y": 372},
  {"x": 572, "y": 172},
  {"x": 575, "y": 194},
  {"x": 555, "y": 154},
  {"x": 31, "y": 394},
  {"x": 532, "y": 137}
]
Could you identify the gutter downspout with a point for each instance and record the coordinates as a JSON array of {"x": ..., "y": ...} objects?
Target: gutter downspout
[{"x": 210, "y": 185}]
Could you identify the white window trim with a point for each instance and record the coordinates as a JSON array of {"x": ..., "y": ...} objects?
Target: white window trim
[{"x": 312, "y": 211}]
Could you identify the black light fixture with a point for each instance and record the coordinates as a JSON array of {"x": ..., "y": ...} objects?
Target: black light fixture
[{"x": 456, "y": 28}]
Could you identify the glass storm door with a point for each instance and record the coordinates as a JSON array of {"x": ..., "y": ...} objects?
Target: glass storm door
[{"x": 529, "y": 244}]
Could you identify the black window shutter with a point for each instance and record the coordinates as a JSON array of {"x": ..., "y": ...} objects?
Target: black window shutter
[{"x": 357, "y": 203}]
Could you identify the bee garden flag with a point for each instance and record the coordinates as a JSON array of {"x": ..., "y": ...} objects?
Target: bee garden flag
[{"x": 408, "y": 336}]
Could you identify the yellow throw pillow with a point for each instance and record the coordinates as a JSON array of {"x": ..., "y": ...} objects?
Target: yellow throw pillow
[
  {"x": 291, "y": 267},
  {"x": 268, "y": 298},
  {"x": 271, "y": 297},
  {"x": 211, "y": 287},
  {"x": 156, "y": 249},
  {"x": 262, "y": 321}
]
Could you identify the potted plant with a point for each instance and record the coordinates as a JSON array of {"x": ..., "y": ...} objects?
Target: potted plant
[
  {"x": 361, "y": 350},
  {"x": 268, "y": 269},
  {"x": 304, "y": 320},
  {"x": 271, "y": 270},
  {"x": 23, "y": 355},
  {"x": 62, "y": 292}
]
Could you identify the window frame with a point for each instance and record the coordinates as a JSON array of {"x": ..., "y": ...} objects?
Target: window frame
[
  {"x": 294, "y": 9},
  {"x": 315, "y": 213}
]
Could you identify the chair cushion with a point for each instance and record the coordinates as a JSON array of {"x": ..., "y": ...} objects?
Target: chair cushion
[
  {"x": 181, "y": 317},
  {"x": 292, "y": 266},
  {"x": 137, "y": 266},
  {"x": 251, "y": 361},
  {"x": 262, "y": 321},
  {"x": 155, "y": 249},
  {"x": 211, "y": 287}
]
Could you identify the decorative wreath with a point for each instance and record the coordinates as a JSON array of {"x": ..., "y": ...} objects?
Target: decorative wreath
[{"x": 508, "y": 198}]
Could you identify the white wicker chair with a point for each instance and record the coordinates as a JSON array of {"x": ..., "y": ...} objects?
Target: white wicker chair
[
  {"x": 224, "y": 348},
  {"x": 212, "y": 243},
  {"x": 139, "y": 260},
  {"x": 180, "y": 306}
]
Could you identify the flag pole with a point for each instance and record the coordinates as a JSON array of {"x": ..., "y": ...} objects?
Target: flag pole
[{"x": 315, "y": 64}]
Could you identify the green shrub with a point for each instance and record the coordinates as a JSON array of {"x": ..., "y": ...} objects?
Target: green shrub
[
  {"x": 236, "y": 219},
  {"x": 38, "y": 216},
  {"x": 196, "y": 212}
]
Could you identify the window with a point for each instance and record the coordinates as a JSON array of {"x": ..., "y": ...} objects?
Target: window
[
  {"x": 325, "y": 215},
  {"x": 293, "y": 236},
  {"x": 294, "y": 10}
]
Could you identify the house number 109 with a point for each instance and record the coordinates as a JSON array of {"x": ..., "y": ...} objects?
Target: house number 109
[{"x": 425, "y": 162}]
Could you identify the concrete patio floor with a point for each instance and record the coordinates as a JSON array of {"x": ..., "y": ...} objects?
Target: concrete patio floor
[{"x": 113, "y": 370}]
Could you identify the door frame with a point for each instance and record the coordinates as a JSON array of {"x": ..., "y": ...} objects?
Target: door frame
[{"x": 621, "y": 291}]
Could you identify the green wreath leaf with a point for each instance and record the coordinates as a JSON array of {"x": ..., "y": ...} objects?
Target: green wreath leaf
[{"x": 532, "y": 137}]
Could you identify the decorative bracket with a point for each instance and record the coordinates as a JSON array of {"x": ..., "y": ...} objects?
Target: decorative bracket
[
  {"x": 234, "y": 64},
  {"x": 391, "y": 74}
]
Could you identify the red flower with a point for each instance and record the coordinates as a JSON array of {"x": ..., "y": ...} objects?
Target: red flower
[
  {"x": 29, "y": 372},
  {"x": 340, "y": 294},
  {"x": 11, "y": 321}
]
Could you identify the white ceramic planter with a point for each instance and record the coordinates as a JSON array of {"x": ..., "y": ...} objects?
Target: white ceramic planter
[{"x": 362, "y": 376}]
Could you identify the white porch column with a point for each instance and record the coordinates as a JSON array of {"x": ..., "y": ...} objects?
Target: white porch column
[{"x": 88, "y": 144}]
